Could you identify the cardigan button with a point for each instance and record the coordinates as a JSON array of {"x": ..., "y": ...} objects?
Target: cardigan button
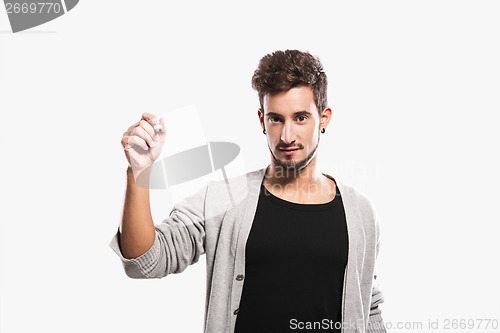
[
  {"x": 239, "y": 277},
  {"x": 236, "y": 311}
]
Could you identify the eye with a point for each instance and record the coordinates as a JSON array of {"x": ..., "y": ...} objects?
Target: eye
[
  {"x": 302, "y": 117},
  {"x": 274, "y": 119}
]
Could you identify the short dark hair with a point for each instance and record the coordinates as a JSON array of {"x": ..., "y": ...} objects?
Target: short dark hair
[{"x": 283, "y": 70}]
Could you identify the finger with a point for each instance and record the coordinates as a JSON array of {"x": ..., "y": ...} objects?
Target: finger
[
  {"x": 132, "y": 127},
  {"x": 147, "y": 127},
  {"x": 131, "y": 141},
  {"x": 163, "y": 126},
  {"x": 149, "y": 117},
  {"x": 141, "y": 132}
]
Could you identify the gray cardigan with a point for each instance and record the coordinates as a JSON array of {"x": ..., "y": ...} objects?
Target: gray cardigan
[{"x": 216, "y": 221}]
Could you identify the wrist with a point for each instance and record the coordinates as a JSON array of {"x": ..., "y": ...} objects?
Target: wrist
[{"x": 138, "y": 177}]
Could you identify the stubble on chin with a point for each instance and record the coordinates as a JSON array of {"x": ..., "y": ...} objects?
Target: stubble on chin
[{"x": 291, "y": 165}]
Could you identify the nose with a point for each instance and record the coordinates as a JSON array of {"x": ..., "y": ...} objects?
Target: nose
[{"x": 287, "y": 134}]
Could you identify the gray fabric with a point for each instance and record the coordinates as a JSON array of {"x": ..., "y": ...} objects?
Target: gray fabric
[{"x": 216, "y": 221}]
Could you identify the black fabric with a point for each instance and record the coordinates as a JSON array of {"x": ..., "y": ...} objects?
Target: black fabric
[{"x": 296, "y": 256}]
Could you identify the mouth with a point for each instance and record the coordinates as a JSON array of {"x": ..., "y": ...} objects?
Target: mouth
[{"x": 289, "y": 151}]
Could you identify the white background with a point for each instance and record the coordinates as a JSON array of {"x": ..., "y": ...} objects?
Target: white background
[{"x": 414, "y": 89}]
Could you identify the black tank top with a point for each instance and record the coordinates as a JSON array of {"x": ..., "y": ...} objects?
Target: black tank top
[{"x": 296, "y": 256}]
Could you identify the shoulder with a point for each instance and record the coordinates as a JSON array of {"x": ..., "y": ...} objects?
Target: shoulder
[
  {"x": 236, "y": 189},
  {"x": 352, "y": 195},
  {"x": 355, "y": 196},
  {"x": 354, "y": 199}
]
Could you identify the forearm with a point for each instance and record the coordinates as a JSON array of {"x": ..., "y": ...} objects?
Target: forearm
[{"x": 137, "y": 232}]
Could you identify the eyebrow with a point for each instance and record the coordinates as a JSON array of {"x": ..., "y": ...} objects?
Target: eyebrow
[{"x": 298, "y": 113}]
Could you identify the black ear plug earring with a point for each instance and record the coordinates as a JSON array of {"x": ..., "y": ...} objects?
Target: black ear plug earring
[
  {"x": 264, "y": 131},
  {"x": 323, "y": 130}
]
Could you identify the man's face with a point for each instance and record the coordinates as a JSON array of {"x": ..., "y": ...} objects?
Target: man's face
[{"x": 292, "y": 123}]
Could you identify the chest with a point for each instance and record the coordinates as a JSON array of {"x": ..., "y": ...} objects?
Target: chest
[{"x": 283, "y": 234}]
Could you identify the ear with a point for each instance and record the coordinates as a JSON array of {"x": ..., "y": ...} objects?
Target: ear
[
  {"x": 325, "y": 117},
  {"x": 261, "y": 118}
]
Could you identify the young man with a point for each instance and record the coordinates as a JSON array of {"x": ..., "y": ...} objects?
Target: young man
[{"x": 287, "y": 247}]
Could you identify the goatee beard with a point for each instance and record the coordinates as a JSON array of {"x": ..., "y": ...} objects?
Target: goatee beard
[{"x": 291, "y": 166}]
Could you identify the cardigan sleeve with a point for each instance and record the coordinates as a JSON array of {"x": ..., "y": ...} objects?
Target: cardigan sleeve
[
  {"x": 179, "y": 241},
  {"x": 375, "y": 321}
]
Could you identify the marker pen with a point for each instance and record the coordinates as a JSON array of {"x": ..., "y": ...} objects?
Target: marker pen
[{"x": 158, "y": 128}]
